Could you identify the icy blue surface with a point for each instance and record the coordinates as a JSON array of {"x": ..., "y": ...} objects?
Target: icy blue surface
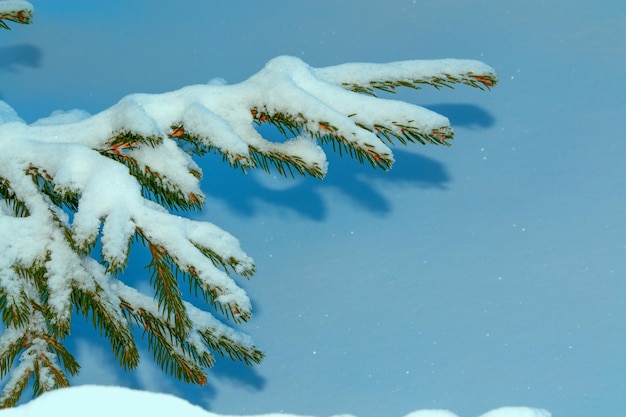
[{"x": 468, "y": 278}]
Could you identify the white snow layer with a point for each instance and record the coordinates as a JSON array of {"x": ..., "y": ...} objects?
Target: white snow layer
[
  {"x": 363, "y": 73},
  {"x": 10, "y": 6},
  {"x": 101, "y": 401}
]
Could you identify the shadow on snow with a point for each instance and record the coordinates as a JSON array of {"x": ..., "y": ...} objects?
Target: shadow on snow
[{"x": 243, "y": 193}]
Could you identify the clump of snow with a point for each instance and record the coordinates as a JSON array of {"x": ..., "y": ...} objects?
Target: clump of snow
[
  {"x": 217, "y": 81},
  {"x": 60, "y": 117},
  {"x": 101, "y": 401},
  {"x": 9, "y": 6},
  {"x": 214, "y": 130},
  {"x": 517, "y": 412},
  {"x": 7, "y": 114}
]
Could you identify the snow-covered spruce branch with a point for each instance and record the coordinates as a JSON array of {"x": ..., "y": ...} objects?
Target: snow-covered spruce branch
[
  {"x": 19, "y": 11},
  {"x": 72, "y": 180},
  {"x": 366, "y": 78}
]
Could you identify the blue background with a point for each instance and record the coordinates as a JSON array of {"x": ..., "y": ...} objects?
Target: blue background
[{"x": 467, "y": 278}]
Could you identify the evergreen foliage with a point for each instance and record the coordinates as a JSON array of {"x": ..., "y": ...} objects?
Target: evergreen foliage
[
  {"x": 15, "y": 11},
  {"x": 123, "y": 175}
]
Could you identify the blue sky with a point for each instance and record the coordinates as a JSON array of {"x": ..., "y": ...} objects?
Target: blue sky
[{"x": 487, "y": 274}]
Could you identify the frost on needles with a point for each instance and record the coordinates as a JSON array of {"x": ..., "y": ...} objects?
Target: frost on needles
[{"x": 71, "y": 183}]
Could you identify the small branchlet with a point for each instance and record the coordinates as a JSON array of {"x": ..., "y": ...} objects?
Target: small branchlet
[
  {"x": 7, "y": 194},
  {"x": 23, "y": 16},
  {"x": 63, "y": 198},
  {"x": 235, "y": 351},
  {"x": 90, "y": 303},
  {"x": 164, "y": 280},
  {"x": 294, "y": 125},
  {"x": 480, "y": 81},
  {"x": 199, "y": 145},
  {"x": 154, "y": 185},
  {"x": 170, "y": 348}
]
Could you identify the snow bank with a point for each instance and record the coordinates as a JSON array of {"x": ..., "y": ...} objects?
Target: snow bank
[{"x": 101, "y": 401}]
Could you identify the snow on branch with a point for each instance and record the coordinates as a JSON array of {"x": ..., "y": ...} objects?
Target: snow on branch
[
  {"x": 19, "y": 11},
  {"x": 73, "y": 182},
  {"x": 366, "y": 78}
]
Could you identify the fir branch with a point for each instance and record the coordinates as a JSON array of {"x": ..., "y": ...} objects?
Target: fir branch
[
  {"x": 306, "y": 105},
  {"x": 228, "y": 347},
  {"x": 40, "y": 354},
  {"x": 290, "y": 126},
  {"x": 364, "y": 78},
  {"x": 11, "y": 201},
  {"x": 164, "y": 280},
  {"x": 211, "y": 294},
  {"x": 64, "y": 199},
  {"x": 483, "y": 81},
  {"x": 294, "y": 125},
  {"x": 164, "y": 341},
  {"x": 287, "y": 124},
  {"x": 201, "y": 145},
  {"x": 48, "y": 375},
  {"x": 206, "y": 278},
  {"x": 284, "y": 164},
  {"x": 66, "y": 359},
  {"x": 18, "y": 285},
  {"x": 15, "y": 309},
  {"x": 230, "y": 263},
  {"x": 33, "y": 283},
  {"x": 405, "y": 133},
  {"x": 183, "y": 355},
  {"x": 361, "y": 154},
  {"x": 115, "y": 265},
  {"x": 125, "y": 140},
  {"x": 19, "y": 12},
  {"x": 116, "y": 331},
  {"x": 153, "y": 185},
  {"x": 218, "y": 297},
  {"x": 43, "y": 274},
  {"x": 15, "y": 387},
  {"x": 12, "y": 342},
  {"x": 157, "y": 188}
]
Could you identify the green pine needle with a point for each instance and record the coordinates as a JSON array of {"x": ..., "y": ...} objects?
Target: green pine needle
[
  {"x": 19, "y": 16},
  {"x": 480, "y": 81}
]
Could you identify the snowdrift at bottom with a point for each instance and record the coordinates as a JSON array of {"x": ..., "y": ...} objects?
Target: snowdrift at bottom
[{"x": 106, "y": 401}]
